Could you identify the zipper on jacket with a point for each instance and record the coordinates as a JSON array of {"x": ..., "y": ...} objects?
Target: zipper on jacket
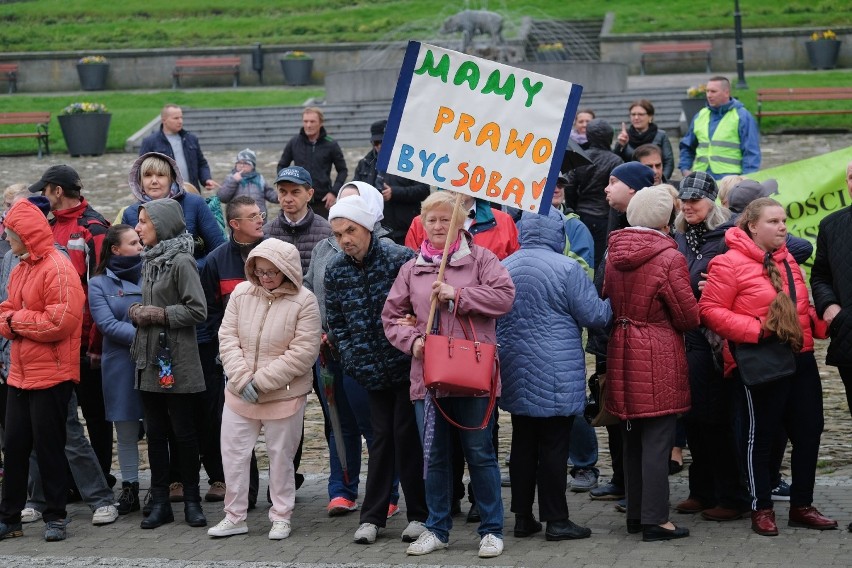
[{"x": 259, "y": 333}]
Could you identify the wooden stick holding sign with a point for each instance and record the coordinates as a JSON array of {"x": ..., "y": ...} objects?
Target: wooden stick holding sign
[{"x": 453, "y": 230}]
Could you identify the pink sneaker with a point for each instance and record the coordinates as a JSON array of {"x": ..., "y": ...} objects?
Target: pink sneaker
[
  {"x": 340, "y": 506},
  {"x": 392, "y": 510}
]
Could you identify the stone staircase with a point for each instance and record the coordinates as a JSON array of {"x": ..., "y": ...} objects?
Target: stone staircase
[{"x": 349, "y": 124}]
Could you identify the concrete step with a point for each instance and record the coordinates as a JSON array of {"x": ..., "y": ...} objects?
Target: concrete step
[{"x": 349, "y": 124}]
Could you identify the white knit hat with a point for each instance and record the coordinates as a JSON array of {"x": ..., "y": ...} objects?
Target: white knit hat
[
  {"x": 652, "y": 207},
  {"x": 355, "y": 209}
]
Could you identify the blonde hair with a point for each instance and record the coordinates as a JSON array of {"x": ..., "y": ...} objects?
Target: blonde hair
[
  {"x": 725, "y": 185},
  {"x": 156, "y": 165},
  {"x": 316, "y": 110},
  {"x": 444, "y": 199},
  {"x": 783, "y": 317},
  {"x": 14, "y": 191}
]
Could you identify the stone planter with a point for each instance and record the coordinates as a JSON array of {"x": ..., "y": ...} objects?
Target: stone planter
[
  {"x": 297, "y": 71},
  {"x": 823, "y": 53},
  {"x": 93, "y": 76},
  {"x": 691, "y": 107},
  {"x": 85, "y": 134}
]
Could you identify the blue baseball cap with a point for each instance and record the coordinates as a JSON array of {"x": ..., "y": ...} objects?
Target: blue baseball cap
[{"x": 295, "y": 174}]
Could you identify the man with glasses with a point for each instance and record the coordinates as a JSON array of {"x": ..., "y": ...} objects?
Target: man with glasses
[
  {"x": 402, "y": 196},
  {"x": 222, "y": 271}
]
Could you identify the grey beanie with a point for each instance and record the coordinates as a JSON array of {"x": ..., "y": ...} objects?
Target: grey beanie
[
  {"x": 652, "y": 208},
  {"x": 247, "y": 155}
]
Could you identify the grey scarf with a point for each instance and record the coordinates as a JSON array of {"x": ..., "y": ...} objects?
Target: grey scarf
[{"x": 162, "y": 255}]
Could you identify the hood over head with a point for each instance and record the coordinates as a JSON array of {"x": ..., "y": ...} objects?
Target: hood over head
[
  {"x": 374, "y": 198},
  {"x": 166, "y": 216},
  {"x": 632, "y": 247},
  {"x": 599, "y": 133},
  {"x": 134, "y": 179},
  {"x": 285, "y": 257},
  {"x": 542, "y": 231},
  {"x": 27, "y": 221}
]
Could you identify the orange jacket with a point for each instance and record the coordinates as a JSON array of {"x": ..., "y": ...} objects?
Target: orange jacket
[
  {"x": 492, "y": 229},
  {"x": 43, "y": 314}
]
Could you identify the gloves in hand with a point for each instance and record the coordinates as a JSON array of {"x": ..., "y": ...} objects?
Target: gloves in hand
[
  {"x": 249, "y": 393},
  {"x": 146, "y": 316}
]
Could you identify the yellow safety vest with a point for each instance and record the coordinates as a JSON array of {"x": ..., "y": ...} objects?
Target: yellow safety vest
[{"x": 722, "y": 154}]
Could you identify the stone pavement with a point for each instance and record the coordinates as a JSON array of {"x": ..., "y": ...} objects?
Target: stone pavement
[{"x": 318, "y": 540}]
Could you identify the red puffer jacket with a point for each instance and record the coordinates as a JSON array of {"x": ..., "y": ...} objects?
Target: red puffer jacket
[
  {"x": 647, "y": 282},
  {"x": 738, "y": 293},
  {"x": 43, "y": 314}
]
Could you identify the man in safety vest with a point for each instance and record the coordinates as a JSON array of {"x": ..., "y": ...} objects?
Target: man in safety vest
[{"x": 723, "y": 138}]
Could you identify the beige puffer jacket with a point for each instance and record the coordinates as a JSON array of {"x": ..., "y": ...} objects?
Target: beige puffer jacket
[{"x": 273, "y": 336}]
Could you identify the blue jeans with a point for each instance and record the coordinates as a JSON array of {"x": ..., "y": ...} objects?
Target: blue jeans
[
  {"x": 583, "y": 446},
  {"x": 353, "y": 408},
  {"x": 481, "y": 462}
]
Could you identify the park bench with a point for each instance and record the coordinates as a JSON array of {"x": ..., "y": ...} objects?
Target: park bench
[
  {"x": 39, "y": 119},
  {"x": 798, "y": 95},
  {"x": 206, "y": 66},
  {"x": 687, "y": 50},
  {"x": 9, "y": 71}
]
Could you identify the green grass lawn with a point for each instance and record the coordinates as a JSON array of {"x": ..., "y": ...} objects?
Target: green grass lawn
[
  {"x": 132, "y": 110},
  {"x": 92, "y": 25}
]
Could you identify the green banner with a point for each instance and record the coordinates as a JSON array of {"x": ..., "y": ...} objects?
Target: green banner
[{"x": 809, "y": 190}]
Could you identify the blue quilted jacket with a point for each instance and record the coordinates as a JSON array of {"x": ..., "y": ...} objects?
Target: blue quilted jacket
[
  {"x": 355, "y": 294},
  {"x": 543, "y": 364}
]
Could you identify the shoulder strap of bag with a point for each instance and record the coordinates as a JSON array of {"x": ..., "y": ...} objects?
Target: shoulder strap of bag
[
  {"x": 790, "y": 283},
  {"x": 492, "y": 400}
]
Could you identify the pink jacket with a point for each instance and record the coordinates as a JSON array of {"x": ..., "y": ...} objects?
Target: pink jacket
[
  {"x": 487, "y": 292},
  {"x": 272, "y": 337}
]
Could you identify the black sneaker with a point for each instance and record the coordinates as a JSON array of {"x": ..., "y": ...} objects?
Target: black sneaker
[
  {"x": 608, "y": 492},
  {"x": 54, "y": 530},
  {"x": 782, "y": 492},
  {"x": 11, "y": 530}
]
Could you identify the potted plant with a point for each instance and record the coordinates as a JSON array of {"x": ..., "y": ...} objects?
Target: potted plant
[
  {"x": 85, "y": 127},
  {"x": 551, "y": 52},
  {"x": 695, "y": 99},
  {"x": 823, "y": 49},
  {"x": 297, "y": 67},
  {"x": 92, "y": 71}
]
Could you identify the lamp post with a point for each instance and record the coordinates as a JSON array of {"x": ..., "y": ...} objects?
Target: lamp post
[{"x": 738, "y": 39}]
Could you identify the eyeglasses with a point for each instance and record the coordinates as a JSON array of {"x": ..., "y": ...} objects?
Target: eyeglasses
[
  {"x": 266, "y": 273},
  {"x": 255, "y": 217}
]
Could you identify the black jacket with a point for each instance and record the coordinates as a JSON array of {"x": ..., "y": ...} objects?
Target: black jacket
[
  {"x": 406, "y": 196},
  {"x": 316, "y": 157},
  {"x": 585, "y": 191},
  {"x": 831, "y": 282}
]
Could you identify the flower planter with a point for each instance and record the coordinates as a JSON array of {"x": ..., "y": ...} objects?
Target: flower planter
[
  {"x": 691, "y": 107},
  {"x": 93, "y": 76},
  {"x": 297, "y": 71},
  {"x": 823, "y": 53},
  {"x": 85, "y": 134}
]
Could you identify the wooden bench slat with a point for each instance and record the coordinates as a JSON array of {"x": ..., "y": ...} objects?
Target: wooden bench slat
[{"x": 40, "y": 119}]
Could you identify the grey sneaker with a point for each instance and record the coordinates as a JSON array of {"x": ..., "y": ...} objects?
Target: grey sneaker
[
  {"x": 30, "y": 515},
  {"x": 105, "y": 515},
  {"x": 413, "y": 531},
  {"x": 583, "y": 480},
  {"x": 366, "y": 533},
  {"x": 54, "y": 530}
]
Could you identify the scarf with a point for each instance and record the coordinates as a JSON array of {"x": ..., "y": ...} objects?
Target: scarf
[
  {"x": 156, "y": 259},
  {"x": 252, "y": 177},
  {"x": 128, "y": 268},
  {"x": 433, "y": 255},
  {"x": 577, "y": 137},
  {"x": 647, "y": 137},
  {"x": 695, "y": 236}
]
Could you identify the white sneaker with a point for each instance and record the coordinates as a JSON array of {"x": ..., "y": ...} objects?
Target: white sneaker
[
  {"x": 366, "y": 533},
  {"x": 427, "y": 542},
  {"x": 413, "y": 531},
  {"x": 280, "y": 530},
  {"x": 30, "y": 515},
  {"x": 228, "y": 528},
  {"x": 490, "y": 546},
  {"x": 104, "y": 515}
]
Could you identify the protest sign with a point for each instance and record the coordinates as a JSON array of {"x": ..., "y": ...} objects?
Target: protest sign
[
  {"x": 809, "y": 190},
  {"x": 478, "y": 127}
]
